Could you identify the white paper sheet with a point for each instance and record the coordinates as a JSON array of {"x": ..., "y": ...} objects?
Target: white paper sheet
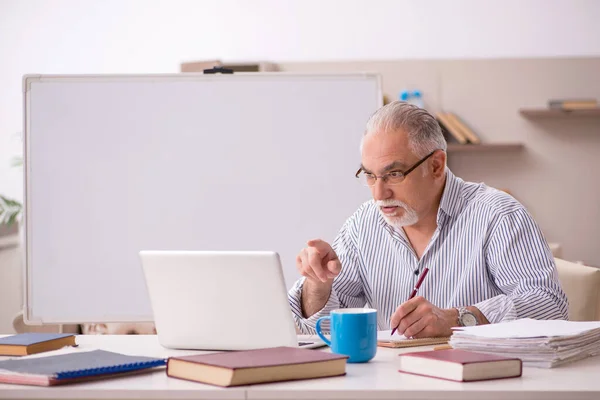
[
  {"x": 530, "y": 328},
  {"x": 387, "y": 336}
]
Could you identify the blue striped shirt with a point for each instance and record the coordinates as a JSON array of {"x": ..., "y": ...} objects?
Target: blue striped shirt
[{"x": 487, "y": 252}]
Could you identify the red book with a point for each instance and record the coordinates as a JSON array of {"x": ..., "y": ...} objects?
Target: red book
[
  {"x": 460, "y": 365},
  {"x": 256, "y": 366}
]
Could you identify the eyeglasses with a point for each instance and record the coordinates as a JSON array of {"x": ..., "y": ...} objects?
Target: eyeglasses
[{"x": 392, "y": 177}]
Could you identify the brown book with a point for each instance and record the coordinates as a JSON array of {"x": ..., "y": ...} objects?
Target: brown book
[
  {"x": 464, "y": 129},
  {"x": 460, "y": 365},
  {"x": 257, "y": 366},
  {"x": 573, "y": 104},
  {"x": 449, "y": 127},
  {"x": 31, "y": 343}
]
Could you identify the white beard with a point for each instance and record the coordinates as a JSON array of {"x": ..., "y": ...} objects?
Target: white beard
[{"x": 408, "y": 217}]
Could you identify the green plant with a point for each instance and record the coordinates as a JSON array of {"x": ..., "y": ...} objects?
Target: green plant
[
  {"x": 10, "y": 209},
  {"x": 17, "y": 161}
]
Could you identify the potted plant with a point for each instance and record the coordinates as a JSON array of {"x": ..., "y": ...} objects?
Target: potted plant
[{"x": 10, "y": 209}]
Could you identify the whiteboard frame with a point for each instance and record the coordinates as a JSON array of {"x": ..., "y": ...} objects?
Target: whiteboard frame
[{"x": 29, "y": 316}]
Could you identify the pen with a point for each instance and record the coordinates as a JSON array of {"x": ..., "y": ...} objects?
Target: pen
[{"x": 414, "y": 292}]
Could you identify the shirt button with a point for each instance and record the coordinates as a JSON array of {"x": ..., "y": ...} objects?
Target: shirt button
[{"x": 416, "y": 272}]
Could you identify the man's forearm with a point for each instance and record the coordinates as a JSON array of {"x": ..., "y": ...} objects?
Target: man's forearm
[{"x": 314, "y": 297}]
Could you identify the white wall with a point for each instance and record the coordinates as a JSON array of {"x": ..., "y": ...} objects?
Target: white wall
[{"x": 122, "y": 36}]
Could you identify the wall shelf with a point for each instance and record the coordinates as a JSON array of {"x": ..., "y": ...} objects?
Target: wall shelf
[
  {"x": 484, "y": 147},
  {"x": 553, "y": 113}
]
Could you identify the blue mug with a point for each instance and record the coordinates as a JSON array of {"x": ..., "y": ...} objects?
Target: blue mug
[{"x": 353, "y": 333}]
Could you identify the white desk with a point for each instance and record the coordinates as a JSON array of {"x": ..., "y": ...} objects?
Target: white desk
[{"x": 377, "y": 379}]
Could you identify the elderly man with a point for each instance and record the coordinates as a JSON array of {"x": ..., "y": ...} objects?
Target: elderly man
[{"x": 487, "y": 259}]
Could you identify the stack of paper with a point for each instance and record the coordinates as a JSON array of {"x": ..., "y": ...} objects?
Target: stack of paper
[{"x": 538, "y": 343}]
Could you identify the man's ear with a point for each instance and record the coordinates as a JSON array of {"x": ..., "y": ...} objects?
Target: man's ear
[{"x": 438, "y": 164}]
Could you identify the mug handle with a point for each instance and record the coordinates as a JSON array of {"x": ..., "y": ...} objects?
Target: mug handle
[{"x": 319, "y": 332}]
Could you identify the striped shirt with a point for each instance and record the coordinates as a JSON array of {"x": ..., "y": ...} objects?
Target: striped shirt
[{"x": 487, "y": 252}]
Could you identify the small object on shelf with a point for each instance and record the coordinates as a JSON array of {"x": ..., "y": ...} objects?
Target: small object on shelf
[
  {"x": 485, "y": 147},
  {"x": 573, "y": 104},
  {"x": 200, "y": 66},
  {"x": 557, "y": 112},
  {"x": 218, "y": 70},
  {"x": 413, "y": 97},
  {"x": 582, "y": 107}
]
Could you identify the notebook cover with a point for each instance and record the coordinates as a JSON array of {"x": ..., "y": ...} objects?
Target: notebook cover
[
  {"x": 73, "y": 366},
  {"x": 27, "y": 339},
  {"x": 267, "y": 357},
  {"x": 40, "y": 380}
]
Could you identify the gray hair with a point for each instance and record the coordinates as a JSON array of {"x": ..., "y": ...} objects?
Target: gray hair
[{"x": 424, "y": 132}]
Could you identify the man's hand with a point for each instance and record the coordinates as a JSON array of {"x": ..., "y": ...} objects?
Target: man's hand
[
  {"x": 419, "y": 318},
  {"x": 319, "y": 264}
]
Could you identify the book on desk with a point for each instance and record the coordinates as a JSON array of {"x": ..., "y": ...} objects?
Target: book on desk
[
  {"x": 245, "y": 367},
  {"x": 460, "y": 365},
  {"x": 24, "y": 344},
  {"x": 74, "y": 367}
]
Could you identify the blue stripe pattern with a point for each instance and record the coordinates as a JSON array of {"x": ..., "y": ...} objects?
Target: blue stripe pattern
[{"x": 487, "y": 252}]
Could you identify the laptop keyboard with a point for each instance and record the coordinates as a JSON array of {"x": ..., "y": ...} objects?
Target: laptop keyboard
[{"x": 305, "y": 343}]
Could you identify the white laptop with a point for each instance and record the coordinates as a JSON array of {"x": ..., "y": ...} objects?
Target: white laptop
[{"x": 220, "y": 300}]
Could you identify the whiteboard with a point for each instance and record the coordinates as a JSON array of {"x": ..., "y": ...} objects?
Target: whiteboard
[{"x": 119, "y": 164}]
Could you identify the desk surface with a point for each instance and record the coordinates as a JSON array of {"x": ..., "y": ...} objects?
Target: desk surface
[{"x": 377, "y": 379}]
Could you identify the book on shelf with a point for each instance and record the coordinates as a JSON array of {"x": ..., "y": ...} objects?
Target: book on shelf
[
  {"x": 449, "y": 129},
  {"x": 460, "y": 365},
  {"x": 24, "y": 344},
  {"x": 74, "y": 367},
  {"x": 463, "y": 128},
  {"x": 453, "y": 126},
  {"x": 251, "y": 66},
  {"x": 573, "y": 104},
  {"x": 256, "y": 366}
]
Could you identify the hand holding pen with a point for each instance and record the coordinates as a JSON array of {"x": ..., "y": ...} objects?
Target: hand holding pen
[
  {"x": 418, "y": 318},
  {"x": 415, "y": 290}
]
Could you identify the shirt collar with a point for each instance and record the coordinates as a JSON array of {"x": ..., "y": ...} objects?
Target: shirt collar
[{"x": 452, "y": 200}]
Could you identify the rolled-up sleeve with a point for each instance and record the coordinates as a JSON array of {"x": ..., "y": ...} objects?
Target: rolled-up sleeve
[
  {"x": 347, "y": 290},
  {"x": 522, "y": 266}
]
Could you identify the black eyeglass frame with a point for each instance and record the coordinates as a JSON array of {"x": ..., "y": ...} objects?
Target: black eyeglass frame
[{"x": 404, "y": 173}]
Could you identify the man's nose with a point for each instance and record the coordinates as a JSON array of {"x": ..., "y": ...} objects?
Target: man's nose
[{"x": 381, "y": 190}]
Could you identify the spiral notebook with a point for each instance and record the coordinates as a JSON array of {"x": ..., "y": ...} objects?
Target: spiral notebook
[
  {"x": 385, "y": 339},
  {"x": 74, "y": 367}
]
